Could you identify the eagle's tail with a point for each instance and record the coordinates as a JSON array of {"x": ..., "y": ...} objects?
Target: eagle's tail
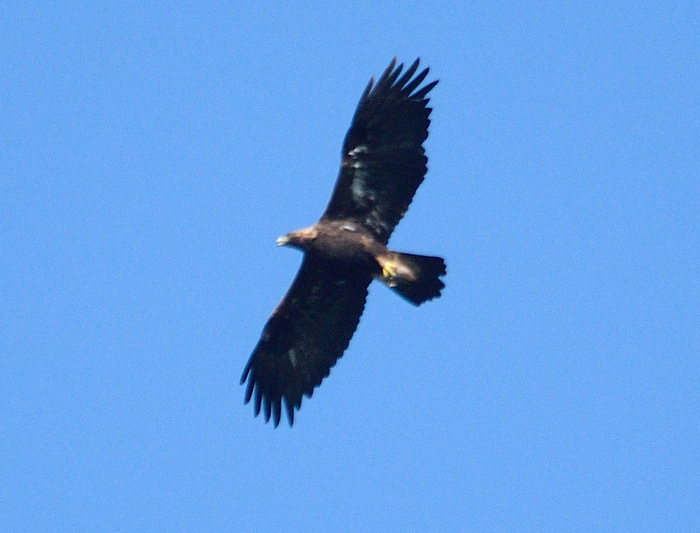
[{"x": 415, "y": 277}]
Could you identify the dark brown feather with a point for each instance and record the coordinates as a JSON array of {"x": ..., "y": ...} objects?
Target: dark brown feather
[
  {"x": 316, "y": 319},
  {"x": 383, "y": 160}
]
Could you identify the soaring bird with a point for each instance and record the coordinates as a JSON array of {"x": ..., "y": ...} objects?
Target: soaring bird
[{"x": 383, "y": 163}]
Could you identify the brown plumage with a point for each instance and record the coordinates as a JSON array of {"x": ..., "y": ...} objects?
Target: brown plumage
[{"x": 383, "y": 163}]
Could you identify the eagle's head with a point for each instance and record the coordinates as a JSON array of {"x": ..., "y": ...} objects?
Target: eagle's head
[{"x": 299, "y": 238}]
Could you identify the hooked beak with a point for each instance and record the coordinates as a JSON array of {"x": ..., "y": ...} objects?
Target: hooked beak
[{"x": 284, "y": 239}]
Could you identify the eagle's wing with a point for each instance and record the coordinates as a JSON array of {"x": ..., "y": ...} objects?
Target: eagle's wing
[
  {"x": 383, "y": 160},
  {"x": 304, "y": 337}
]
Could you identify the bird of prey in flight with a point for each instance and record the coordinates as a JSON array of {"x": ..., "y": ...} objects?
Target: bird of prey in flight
[{"x": 383, "y": 163}]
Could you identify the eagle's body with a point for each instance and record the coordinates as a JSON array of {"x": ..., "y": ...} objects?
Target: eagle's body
[
  {"x": 336, "y": 241},
  {"x": 383, "y": 164}
]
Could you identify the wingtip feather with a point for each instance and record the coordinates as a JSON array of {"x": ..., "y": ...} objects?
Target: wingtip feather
[
  {"x": 424, "y": 91},
  {"x": 408, "y": 74},
  {"x": 290, "y": 411}
]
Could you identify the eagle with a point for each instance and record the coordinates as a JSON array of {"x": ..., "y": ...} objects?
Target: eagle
[{"x": 382, "y": 164}]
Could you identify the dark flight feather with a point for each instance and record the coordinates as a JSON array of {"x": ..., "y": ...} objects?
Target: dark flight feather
[
  {"x": 383, "y": 160},
  {"x": 306, "y": 334}
]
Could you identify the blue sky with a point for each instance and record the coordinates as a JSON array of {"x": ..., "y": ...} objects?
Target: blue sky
[{"x": 149, "y": 158}]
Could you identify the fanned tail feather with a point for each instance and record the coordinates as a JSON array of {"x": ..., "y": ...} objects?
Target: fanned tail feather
[{"x": 415, "y": 277}]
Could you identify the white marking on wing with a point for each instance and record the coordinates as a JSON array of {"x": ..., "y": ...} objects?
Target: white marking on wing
[
  {"x": 358, "y": 190},
  {"x": 361, "y": 149},
  {"x": 358, "y": 183}
]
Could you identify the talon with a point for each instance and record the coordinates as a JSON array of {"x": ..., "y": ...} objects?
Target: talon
[{"x": 389, "y": 270}]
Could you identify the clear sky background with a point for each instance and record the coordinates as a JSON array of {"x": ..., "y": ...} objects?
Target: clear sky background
[{"x": 150, "y": 156}]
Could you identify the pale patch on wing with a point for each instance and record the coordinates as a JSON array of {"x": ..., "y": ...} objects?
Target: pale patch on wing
[
  {"x": 292, "y": 357},
  {"x": 358, "y": 185},
  {"x": 374, "y": 220},
  {"x": 377, "y": 219},
  {"x": 358, "y": 189},
  {"x": 349, "y": 226},
  {"x": 361, "y": 149}
]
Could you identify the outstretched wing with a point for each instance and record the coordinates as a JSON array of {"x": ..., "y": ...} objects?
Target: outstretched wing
[
  {"x": 383, "y": 160},
  {"x": 305, "y": 336}
]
